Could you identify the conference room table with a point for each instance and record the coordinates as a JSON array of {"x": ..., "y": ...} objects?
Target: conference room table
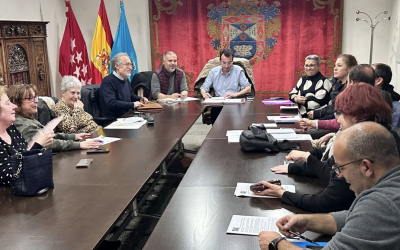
[
  {"x": 201, "y": 209},
  {"x": 85, "y": 204}
]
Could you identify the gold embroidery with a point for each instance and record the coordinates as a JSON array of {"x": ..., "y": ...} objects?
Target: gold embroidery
[{"x": 170, "y": 10}]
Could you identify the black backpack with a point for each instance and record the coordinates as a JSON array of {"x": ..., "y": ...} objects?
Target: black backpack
[{"x": 257, "y": 139}]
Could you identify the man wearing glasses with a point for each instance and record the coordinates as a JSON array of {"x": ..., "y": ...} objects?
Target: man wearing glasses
[
  {"x": 366, "y": 156},
  {"x": 227, "y": 80},
  {"x": 116, "y": 95}
]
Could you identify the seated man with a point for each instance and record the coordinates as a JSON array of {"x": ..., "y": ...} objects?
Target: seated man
[
  {"x": 228, "y": 80},
  {"x": 168, "y": 81},
  {"x": 383, "y": 74},
  {"x": 366, "y": 156},
  {"x": 116, "y": 95}
]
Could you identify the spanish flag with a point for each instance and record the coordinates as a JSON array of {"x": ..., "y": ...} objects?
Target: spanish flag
[{"x": 101, "y": 46}]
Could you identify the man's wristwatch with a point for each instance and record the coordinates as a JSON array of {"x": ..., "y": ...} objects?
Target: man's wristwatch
[{"x": 273, "y": 245}]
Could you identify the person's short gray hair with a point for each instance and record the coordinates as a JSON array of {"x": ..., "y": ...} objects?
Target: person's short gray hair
[
  {"x": 167, "y": 53},
  {"x": 117, "y": 59},
  {"x": 313, "y": 57},
  {"x": 372, "y": 141},
  {"x": 70, "y": 82}
]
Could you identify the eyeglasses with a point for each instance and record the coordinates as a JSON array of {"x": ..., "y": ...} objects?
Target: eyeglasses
[
  {"x": 128, "y": 64},
  {"x": 310, "y": 66},
  {"x": 32, "y": 98},
  {"x": 226, "y": 63},
  {"x": 337, "y": 114},
  {"x": 338, "y": 169}
]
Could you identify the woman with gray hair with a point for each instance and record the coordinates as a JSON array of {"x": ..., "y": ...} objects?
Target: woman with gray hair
[
  {"x": 312, "y": 90},
  {"x": 76, "y": 120}
]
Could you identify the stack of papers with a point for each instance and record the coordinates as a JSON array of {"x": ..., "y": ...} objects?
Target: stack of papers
[
  {"x": 222, "y": 100},
  {"x": 283, "y": 133},
  {"x": 267, "y": 125},
  {"x": 243, "y": 189},
  {"x": 251, "y": 225},
  {"x": 276, "y": 102},
  {"x": 233, "y": 135},
  {"x": 170, "y": 100},
  {"x": 289, "y": 107},
  {"x": 104, "y": 139},
  {"x": 284, "y": 119},
  {"x": 127, "y": 123}
]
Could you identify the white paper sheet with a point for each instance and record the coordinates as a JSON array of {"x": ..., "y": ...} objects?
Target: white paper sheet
[
  {"x": 267, "y": 125},
  {"x": 281, "y": 131},
  {"x": 233, "y": 132},
  {"x": 251, "y": 225},
  {"x": 284, "y": 119},
  {"x": 178, "y": 100},
  {"x": 105, "y": 139},
  {"x": 224, "y": 100},
  {"x": 243, "y": 189},
  {"x": 127, "y": 123},
  {"x": 289, "y": 107},
  {"x": 234, "y": 138},
  {"x": 292, "y": 136}
]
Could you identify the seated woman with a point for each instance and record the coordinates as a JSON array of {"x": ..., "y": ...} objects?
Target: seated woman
[
  {"x": 336, "y": 196},
  {"x": 24, "y": 96},
  {"x": 76, "y": 120},
  {"x": 11, "y": 140},
  {"x": 344, "y": 63},
  {"x": 312, "y": 90}
]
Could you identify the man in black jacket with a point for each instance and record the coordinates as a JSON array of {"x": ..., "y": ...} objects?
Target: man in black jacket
[{"x": 383, "y": 74}]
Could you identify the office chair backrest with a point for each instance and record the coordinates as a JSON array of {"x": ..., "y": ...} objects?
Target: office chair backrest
[
  {"x": 142, "y": 82},
  {"x": 90, "y": 99},
  {"x": 45, "y": 114}
]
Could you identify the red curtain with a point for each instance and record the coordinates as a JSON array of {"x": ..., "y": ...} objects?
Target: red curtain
[{"x": 275, "y": 36}]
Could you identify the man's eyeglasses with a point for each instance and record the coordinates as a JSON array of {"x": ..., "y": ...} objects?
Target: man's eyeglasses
[
  {"x": 339, "y": 168},
  {"x": 310, "y": 66},
  {"x": 128, "y": 64},
  {"x": 226, "y": 63},
  {"x": 32, "y": 98}
]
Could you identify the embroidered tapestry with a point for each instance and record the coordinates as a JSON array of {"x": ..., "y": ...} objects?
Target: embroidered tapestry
[{"x": 275, "y": 36}]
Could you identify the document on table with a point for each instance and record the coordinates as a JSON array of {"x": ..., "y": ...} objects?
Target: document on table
[
  {"x": 223, "y": 100},
  {"x": 289, "y": 107},
  {"x": 127, "y": 123},
  {"x": 178, "y": 100},
  {"x": 281, "y": 131},
  {"x": 243, "y": 189},
  {"x": 284, "y": 119},
  {"x": 233, "y": 135},
  {"x": 104, "y": 139},
  {"x": 267, "y": 125},
  {"x": 251, "y": 225}
]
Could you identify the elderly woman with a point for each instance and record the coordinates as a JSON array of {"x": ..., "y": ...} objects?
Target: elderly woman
[
  {"x": 336, "y": 196},
  {"x": 76, "y": 120},
  {"x": 312, "y": 90},
  {"x": 11, "y": 140},
  {"x": 24, "y": 96}
]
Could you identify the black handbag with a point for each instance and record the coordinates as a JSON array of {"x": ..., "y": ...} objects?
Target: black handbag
[
  {"x": 32, "y": 172},
  {"x": 257, "y": 139}
]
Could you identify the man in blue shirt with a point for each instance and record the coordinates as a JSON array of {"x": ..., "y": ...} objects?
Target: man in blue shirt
[
  {"x": 116, "y": 94},
  {"x": 228, "y": 80}
]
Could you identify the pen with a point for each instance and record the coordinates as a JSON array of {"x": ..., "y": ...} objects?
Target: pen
[{"x": 302, "y": 237}]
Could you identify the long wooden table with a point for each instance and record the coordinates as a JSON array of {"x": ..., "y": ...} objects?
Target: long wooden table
[
  {"x": 86, "y": 203},
  {"x": 199, "y": 213}
]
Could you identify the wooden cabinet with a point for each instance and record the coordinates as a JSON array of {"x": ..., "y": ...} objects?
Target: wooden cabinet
[{"x": 23, "y": 54}]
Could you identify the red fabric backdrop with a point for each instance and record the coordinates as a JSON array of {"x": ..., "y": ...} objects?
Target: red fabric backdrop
[{"x": 274, "y": 36}]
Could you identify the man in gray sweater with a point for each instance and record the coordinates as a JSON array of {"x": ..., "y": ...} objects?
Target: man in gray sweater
[{"x": 366, "y": 156}]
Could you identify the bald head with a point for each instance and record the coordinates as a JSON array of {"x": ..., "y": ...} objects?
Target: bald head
[
  {"x": 370, "y": 140},
  {"x": 362, "y": 73}
]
